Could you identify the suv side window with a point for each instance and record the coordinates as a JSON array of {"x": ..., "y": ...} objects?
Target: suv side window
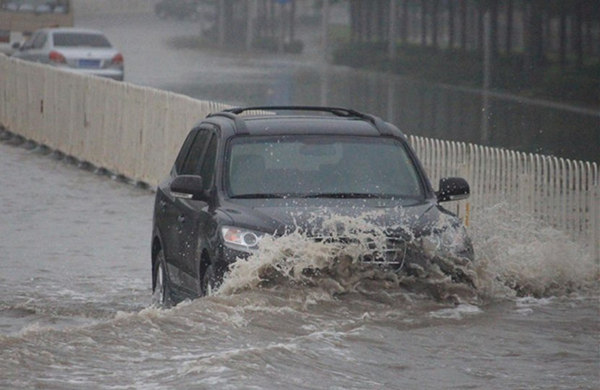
[
  {"x": 191, "y": 165},
  {"x": 185, "y": 149},
  {"x": 208, "y": 166}
]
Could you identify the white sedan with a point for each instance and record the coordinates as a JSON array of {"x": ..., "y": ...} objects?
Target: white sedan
[{"x": 74, "y": 49}]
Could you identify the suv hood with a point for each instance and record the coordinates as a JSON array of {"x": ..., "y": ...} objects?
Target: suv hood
[{"x": 333, "y": 216}]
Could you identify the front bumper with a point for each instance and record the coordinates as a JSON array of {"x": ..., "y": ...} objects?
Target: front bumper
[{"x": 230, "y": 255}]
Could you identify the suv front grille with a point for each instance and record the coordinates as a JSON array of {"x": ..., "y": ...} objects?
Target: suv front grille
[{"x": 393, "y": 254}]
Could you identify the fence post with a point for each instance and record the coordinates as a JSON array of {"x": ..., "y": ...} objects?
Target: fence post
[{"x": 594, "y": 212}]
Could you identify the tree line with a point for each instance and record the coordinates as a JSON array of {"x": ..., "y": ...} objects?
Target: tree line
[
  {"x": 566, "y": 29},
  {"x": 546, "y": 48}
]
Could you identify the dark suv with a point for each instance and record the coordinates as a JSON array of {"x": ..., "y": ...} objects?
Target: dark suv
[{"x": 245, "y": 173}]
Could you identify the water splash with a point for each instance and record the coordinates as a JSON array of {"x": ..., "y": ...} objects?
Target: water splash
[
  {"x": 515, "y": 255},
  {"x": 335, "y": 265},
  {"x": 519, "y": 255}
]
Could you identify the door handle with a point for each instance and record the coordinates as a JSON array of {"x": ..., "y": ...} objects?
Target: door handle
[{"x": 181, "y": 219}]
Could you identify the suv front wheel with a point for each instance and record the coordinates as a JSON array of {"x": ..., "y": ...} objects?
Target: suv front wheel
[
  {"x": 209, "y": 280},
  {"x": 160, "y": 290}
]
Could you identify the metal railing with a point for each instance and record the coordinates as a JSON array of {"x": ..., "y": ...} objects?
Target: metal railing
[{"x": 558, "y": 192}]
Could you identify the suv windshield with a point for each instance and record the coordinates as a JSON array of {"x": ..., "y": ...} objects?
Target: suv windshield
[{"x": 318, "y": 166}]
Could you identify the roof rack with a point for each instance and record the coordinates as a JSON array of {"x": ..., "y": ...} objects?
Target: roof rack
[
  {"x": 233, "y": 113},
  {"x": 240, "y": 125},
  {"x": 338, "y": 111}
]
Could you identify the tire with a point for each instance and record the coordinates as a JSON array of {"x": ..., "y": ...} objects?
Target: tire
[
  {"x": 209, "y": 281},
  {"x": 160, "y": 288}
]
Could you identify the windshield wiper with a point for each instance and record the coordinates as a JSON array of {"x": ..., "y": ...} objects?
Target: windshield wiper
[
  {"x": 344, "y": 195},
  {"x": 331, "y": 195},
  {"x": 259, "y": 196}
]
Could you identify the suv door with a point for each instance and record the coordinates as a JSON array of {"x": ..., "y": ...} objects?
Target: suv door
[
  {"x": 165, "y": 213},
  {"x": 193, "y": 216}
]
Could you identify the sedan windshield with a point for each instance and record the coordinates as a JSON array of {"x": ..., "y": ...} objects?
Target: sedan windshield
[{"x": 317, "y": 166}]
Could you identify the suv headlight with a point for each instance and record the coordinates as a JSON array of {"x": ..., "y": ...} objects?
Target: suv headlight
[{"x": 245, "y": 240}]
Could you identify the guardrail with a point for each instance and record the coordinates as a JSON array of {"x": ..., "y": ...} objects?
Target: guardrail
[{"x": 136, "y": 132}]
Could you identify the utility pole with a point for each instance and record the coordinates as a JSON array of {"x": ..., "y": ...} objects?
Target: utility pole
[
  {"x": 392, "y": 57},
  {"x": 280, "y": 26},
  {"x": 252, "y": 11},
  {"x": 325, "y": 46},
  {"x": 485, "y": 109},
  {"x": 325, "y": 29},
  {"x": 392, "y": 32},
  {"x": 221, "y": 21}
]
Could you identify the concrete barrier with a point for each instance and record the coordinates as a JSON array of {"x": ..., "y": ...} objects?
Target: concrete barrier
[{"x": 130, "y": 130}]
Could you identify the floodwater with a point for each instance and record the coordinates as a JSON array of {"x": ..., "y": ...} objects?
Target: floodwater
[
  {"x": 75, "y": 307},
  {"x": 75, "y": 280}
]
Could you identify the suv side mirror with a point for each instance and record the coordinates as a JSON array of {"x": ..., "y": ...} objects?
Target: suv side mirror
[
  {"x": 453, "y": 188},
  {"x": 188, "y": 187}
]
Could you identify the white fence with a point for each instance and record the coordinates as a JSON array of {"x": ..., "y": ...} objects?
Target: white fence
[
  {"x": 137, "y": 131},
  {"x": 562, "y": 193}
]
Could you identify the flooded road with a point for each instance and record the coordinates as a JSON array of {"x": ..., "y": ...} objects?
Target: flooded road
[
  {"x": 75, "y": 290},
  {"x": 75, "y": 306}
]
